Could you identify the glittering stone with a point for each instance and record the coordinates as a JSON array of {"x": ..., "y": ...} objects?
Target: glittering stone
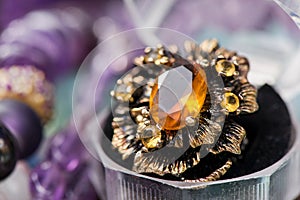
[
  {"x": 225, "y": 67},
  {"x": 177, "y": 94},
  {"x": 230, "y": 102},
  {"x": 30, "y": 86},
  {"x": 190, "y": 121},
  {"x": 151, "y": 137}
]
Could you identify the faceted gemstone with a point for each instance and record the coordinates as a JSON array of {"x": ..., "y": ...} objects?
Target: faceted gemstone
[
  {"x": 230, "y": 102},
  {"x": 177, "y": 94},
  {"x": 151, "y": 137},
  {"x": 225, "y": 67}
]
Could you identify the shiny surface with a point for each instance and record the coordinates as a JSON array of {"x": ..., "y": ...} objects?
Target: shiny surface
[
  {"x": 176, "y": 95},
  {"x": 8, "y": 152},
  {"x": 24, "y": 124},
  {"x": 225, "y": 67},
  {"x": 151, "y": 137},
  {"x": 230, "y": 102}
]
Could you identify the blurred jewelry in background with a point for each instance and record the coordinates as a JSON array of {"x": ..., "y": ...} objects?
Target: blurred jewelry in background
[{"x": 54, "y": 42}]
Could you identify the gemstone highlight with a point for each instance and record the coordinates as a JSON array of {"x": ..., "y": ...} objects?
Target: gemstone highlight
[
  {"x": 225, "y": 67},
  {"x": 230, "y": 102},
  {"x": 177, "y": 94},
  {"x": 151, "y": 137}
]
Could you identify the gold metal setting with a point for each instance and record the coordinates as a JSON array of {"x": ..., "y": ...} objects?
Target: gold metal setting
[
  {"x": 215, "y": 175},
  {"x": 137, "y": 134}
]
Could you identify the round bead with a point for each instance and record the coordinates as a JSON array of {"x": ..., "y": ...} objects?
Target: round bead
[
  {"x": 63, "y": 153},
  {"x": 28, "y": 85},
  {"x": 8, "y": 152},
  {"x": 151, "y": 137},
  {"x": 225, "y": 67},
  {"x": 230, "y": 102},
  {"x": 47, "y": 181},
  {"x": 23, "y": 123},
  {"x": 55, "y": 48}
]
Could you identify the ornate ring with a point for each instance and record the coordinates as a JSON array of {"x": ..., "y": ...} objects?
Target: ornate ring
[{"x": 173, "y": 109}]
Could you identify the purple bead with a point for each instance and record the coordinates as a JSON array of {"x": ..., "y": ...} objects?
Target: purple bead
[
  {"x": 8, "y": 152},
  {"x": 47, "y": 182},
  {"x": 54, "y": 41},
  {"x": 17, "y": 53},
  {"x": 23, "y": 123},
  {"x": 67, "y": 151},
  {"x": 68, "y": 159}
]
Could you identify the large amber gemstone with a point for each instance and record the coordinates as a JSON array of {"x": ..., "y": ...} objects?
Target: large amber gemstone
[{"x": 177, "y": 94}]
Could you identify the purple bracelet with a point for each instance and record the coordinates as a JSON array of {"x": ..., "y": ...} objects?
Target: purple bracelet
[
  {"x": 50, "y": 44},
  {"x": 54, "y": 41}
]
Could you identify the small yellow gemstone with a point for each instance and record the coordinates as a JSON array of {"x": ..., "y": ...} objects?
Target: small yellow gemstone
[
  {"x": 151, "y": 137},
  {"x": 230, "y": 102},
  {"x": 225, "y": 67}
]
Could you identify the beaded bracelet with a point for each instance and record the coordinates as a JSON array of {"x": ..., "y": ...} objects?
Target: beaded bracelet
[{"x": 44, "y": 52}]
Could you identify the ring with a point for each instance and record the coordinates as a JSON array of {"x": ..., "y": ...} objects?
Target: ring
[{"x": 174, "y": 108}]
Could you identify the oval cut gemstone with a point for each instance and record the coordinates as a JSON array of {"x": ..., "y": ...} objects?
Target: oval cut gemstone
[{"x": 177, "y": 94}]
